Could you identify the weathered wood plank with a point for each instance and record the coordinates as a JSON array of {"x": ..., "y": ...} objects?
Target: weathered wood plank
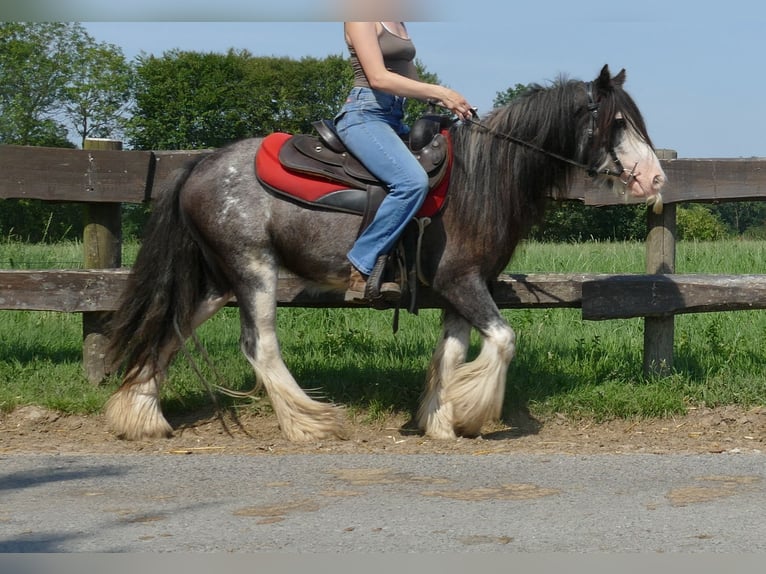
[
  {"x": 601, "y": 296},
  {"x": 69, "y": 291},
  {"x": 102, "y": 242},
  {"x": 74, "y": 175},
  {"x": 716, "y": 179},
  {"x": 509, "y": 292},
  {"x": 131, "y": 176},
  {"x": 700, "y": 180},
  {"x": 659, "y": 332},
  {"x": 166, "y": 163},
  {"x": 91, "y": 290},
  {"x": 625, "y": 296}
]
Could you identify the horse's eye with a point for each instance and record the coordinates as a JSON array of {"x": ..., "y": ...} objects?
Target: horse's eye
[{"x": 620, "y": 123}]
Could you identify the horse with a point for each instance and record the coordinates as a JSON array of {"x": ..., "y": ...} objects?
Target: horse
[{"x": 219, "y": 234}]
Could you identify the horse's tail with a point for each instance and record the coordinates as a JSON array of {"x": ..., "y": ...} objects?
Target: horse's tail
[{"x": 164, "y": 289}]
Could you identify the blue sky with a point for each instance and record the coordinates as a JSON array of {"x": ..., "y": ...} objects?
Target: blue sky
[{"x": 696, "y": 71}]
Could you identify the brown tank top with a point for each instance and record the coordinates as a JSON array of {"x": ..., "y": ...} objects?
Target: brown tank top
[{"x": 398, "y": 57}]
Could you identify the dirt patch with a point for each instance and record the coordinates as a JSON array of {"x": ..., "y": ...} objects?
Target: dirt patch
[{"x": 728, "y": 429}]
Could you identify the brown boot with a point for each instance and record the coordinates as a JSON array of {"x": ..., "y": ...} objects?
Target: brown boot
[
  {"x": 357, "y": 285},
  {"x": 358, "y": 291}
]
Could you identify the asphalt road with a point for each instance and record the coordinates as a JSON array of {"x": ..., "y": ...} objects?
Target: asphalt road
[{"x": 382, "y": 503}]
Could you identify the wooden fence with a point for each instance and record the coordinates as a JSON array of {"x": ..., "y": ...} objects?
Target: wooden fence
[{"x": 102, "y": 176}]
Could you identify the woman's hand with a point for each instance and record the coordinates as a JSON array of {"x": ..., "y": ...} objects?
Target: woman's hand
[{"x": 455, "y": 103}]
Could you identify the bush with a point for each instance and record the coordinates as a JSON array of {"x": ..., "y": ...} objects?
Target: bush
[
  {"x": 571, "y": 221},
  {"x": 756, "y": 232},
  {"x": 38, "y": 221},
  {"x": 697, "y": 222}
]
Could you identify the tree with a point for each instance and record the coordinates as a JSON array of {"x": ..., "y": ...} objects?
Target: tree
[
  {"x": 572, "y": 221},
  {"x": 293, "y": 93},
  {"x": 54, "y": 77},
  {"x": 698, "y": 222},
  {"x": 34, "y": 63},
  {"x": 740, "y": 216},
  {"x": 504, "y": 98},
  {"x": 98, "y": 94},
  {"x": 54, "y": 80},
  {"x": 188, "y": 100}
]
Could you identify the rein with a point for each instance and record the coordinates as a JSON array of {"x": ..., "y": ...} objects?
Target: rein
[
  {"x": 591, "y": 170},
  {"x": 527, "y": 144}
]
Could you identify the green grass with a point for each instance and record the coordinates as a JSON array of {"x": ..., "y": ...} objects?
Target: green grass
[{"x": 564, "y": 365}]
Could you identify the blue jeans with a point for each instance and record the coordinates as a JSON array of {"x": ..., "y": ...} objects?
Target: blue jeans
[{"x": 370, "y": 125}]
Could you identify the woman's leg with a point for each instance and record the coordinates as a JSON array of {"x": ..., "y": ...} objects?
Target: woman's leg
[{"x": 386, "y": 156}]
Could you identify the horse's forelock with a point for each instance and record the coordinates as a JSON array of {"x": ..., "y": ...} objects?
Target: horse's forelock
[{"x": 618, "y": 101}]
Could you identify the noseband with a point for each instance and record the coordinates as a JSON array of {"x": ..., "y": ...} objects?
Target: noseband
[{"x": 623, "y": 175}]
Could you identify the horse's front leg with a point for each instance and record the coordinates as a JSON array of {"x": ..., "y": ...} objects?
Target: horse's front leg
[
  {"x": 435, "y": 416},
  {"x": 472, "y": 392},
  {"x": 477, "y": 389}
]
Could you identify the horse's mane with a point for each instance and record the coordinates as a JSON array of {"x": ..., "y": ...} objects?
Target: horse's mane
[{"x": 516, "y": 181}]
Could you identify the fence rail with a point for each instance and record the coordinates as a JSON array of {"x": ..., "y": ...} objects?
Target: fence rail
[
  {"x": 102, "y": 176},
  {"x": 599, "y": 295}
]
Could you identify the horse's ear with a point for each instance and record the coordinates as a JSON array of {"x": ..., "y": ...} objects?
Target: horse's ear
[
  {"x": 604, "y": 80},
  {"x": 619, "y": 79}
]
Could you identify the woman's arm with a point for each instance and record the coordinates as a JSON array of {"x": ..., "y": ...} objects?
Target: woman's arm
[{"x": 363, "y": 36}]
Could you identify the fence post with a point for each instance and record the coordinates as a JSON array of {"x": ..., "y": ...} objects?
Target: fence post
[
  {"x": 659, "y": 332},
  {"x": 102, "y": 244}
]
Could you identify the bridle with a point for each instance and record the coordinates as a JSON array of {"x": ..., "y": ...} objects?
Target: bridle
[
  {"x": 593, "y": 106},
  {"x": 623, "y": 175}
]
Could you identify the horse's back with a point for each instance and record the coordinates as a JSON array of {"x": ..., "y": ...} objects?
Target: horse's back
[{"x": 238, "y": 219}]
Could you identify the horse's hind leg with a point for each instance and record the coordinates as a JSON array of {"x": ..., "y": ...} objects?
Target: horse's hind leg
[
  {"x": 133, "y": 411},
  {"x": 300, "y": 417}
]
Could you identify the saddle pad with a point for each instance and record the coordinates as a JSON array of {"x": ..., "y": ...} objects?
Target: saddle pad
[
  {"x": 311, "y": 189},
  {"x": 273, "y": 173}
]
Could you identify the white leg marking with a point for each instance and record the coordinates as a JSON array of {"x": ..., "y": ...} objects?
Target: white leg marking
[
  {"x": 435, "y": 416},
  {"x": 133, "y": 412},
  {"x": 477, "y": 389},
  {"x": 208, "y": 308},
  {"x": 300, "y": 417}
]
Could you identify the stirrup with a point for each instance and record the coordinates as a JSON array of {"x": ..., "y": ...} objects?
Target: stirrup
[
  {"x": 380, "y": 294},
  {"x": 377, "y": 289}
]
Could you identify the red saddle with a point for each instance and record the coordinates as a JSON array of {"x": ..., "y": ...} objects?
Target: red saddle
[{"x": 305, "y": 169}]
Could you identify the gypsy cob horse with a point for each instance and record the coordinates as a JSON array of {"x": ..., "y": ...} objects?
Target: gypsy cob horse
[{"x": 219, "y": 232}]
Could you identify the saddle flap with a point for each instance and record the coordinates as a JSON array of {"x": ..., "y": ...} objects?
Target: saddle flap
[
  {"x": 326, "y": 156},
  {"x": 307, "y": 154},
  {"x": 314, "y": 149}
]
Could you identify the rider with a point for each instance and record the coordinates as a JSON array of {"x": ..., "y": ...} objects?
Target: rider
[{"x": 370, "y": 124}]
